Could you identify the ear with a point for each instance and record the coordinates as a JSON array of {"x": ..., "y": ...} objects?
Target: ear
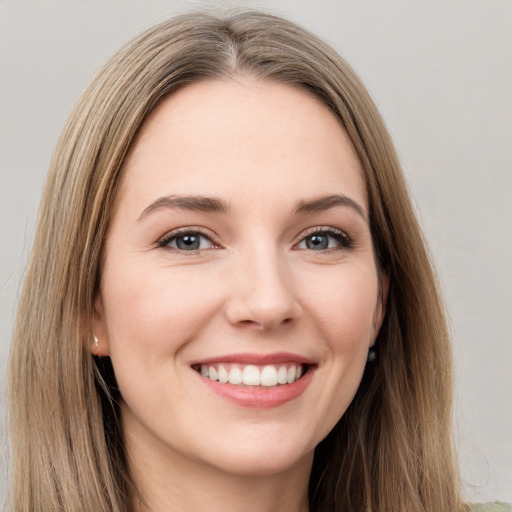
[
  {"x": 100, "y": 348},
  {"x": 380, "y": 309}
]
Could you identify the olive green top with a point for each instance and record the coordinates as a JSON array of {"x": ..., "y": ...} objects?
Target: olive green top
[{"x": 497, "y": 506}]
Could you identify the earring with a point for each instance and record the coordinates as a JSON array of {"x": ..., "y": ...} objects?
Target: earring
[
  {"x": 96, "y": 343},
  {"x": 372, "y": 355}
]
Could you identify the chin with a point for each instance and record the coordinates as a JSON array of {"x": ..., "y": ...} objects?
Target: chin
[
  {"x": 263, "y": 463},
  {"x": 252, "y": 457}
]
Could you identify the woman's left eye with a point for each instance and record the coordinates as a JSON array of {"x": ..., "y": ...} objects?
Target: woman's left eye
[
  {"x": 187, "y": 241},
  {"x": 325, "y": 239}
]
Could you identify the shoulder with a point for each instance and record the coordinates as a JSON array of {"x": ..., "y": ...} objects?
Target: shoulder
[{"x": 497, "y": 506}]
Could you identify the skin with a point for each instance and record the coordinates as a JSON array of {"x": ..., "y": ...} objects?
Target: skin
[{"x": 254, "y": 285}]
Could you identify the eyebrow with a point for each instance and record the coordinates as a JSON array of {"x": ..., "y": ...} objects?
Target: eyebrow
[
  {"x": 323, "y": 203},
  {"x": 215, "y": 205},
  {"x": 193, "y": 203}
]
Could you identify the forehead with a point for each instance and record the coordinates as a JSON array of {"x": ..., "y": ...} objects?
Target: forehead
[{"x": 242, "y": 139}]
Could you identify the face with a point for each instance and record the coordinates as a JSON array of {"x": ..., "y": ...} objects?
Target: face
[{"x": 239, "y": 293}]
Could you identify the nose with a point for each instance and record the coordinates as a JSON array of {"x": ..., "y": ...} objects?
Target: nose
[{"x": 262, "y": 293}]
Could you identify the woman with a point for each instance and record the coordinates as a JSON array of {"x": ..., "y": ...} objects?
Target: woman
[{"x": 229, "y": 301}]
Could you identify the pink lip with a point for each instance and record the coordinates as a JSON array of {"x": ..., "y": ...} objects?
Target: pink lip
[
  {"x": 257, "y": 359},
  {"x": 259, "y": 397}
]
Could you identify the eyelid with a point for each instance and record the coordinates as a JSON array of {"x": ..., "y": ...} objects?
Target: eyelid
[
  {"x": 163, "y": 241},
  {"x": 346, "y": 241}
]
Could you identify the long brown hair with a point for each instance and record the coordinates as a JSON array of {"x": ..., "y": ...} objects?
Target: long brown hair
[{"x": 390, "y": 451}]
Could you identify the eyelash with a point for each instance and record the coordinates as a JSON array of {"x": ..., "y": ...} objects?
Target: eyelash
[
  {"x": 340, "y": 236},
  {"x": 163, "y": 243},
  {"x": 337, "y": 234}
]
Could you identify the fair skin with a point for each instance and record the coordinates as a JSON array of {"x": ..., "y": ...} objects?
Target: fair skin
[{"x": 239, "y": 239}]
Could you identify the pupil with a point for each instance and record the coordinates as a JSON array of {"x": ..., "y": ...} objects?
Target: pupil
[
  {"x": 317, "y": 242},
  {"x": 188, "y": 242}
]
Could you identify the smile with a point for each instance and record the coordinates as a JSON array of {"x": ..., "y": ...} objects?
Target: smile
[
  {"x": 268, "y": 375},
  {"x": 257, "y": 380}
]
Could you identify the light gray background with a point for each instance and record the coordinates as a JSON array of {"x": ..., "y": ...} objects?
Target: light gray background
[{"x": 441, "y": 73}]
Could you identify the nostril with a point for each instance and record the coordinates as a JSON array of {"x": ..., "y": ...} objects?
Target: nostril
[
  {"x": 264, "y": 323},
  {"x": 249, "y": 323}
]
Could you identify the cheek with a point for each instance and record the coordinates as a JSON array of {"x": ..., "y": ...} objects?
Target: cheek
[
  {"x": 343, "y": 305},
  {"x": 157, "y": 310}
]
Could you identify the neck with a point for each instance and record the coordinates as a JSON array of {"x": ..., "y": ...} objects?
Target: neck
[{"x": 173, "y": 482}]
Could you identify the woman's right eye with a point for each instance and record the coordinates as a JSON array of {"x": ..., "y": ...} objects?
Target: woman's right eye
[{"x": 187, "y": 241}]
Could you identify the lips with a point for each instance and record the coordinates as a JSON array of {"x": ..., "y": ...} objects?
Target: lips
[{"x": 254, "y": 380}]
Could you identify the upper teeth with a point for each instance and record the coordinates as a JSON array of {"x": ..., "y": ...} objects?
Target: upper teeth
[{"x": 252, "y": 375}]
